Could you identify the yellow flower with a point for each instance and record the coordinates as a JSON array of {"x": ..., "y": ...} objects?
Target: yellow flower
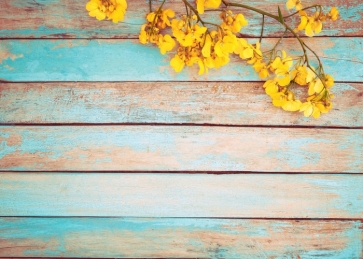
[
  {"x": 215, "y": 62},
  {"x": 283, "y": 74},
  {"x": 233, "y": 23},
  {"x": 226, "y": 45},
  {"x": 291, "y": 105},
  {"x": 310, "y": 109},
  {"x": 162, "y": 19},
  {"x": 143, "y": 36},
  {"x": 279, "y": 99},
  {"x": 333, "y": 14},
  {"x": 202, "y": 66},
  {"x": 299, "y": 75},
  {"x": 261, "y": 69},
  {"x": 257, "y": 54},
  {"x": 325, "y": 106},
  {"x": 244, "y": 49},
  {"x": 148, "y": 34},
  {"x": 271, "y": 87},
  {"x": 283, "y": 63},
  {"x": 294, "y": 3},
  {"x": 177, "y": 63},
  {"x": 165, "y": 43},
  {"x": 207, "y": 46},
  {"x": 315, "y": 25},
  {"x": 311, "y": 24},
  {"x": 310, "y": 75},
  {"x": 186, "y": 35},
  {"x": 304, "y": 18},
  {"x": 112, "y": 9},
  {"x": 328, "y": 80},
  {"x": 207, "y": 3},
  {"x": 315, "y": 86}
]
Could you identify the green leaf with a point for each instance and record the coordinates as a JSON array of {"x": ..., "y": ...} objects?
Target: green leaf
[{"x": 281, "y": 19}]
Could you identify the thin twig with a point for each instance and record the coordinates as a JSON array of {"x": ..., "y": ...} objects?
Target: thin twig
[{"x": 263, "y": 25}]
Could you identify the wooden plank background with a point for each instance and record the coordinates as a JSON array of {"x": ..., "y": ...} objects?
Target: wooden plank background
[
  {"x": 106, "y": 152},
  {"x": 217, "y": 103},
  {"x": 95, "y": 60},
  {"x": 181, "y": 148},
  {"x": 182, "y": 195},
  {"x": 180, "y": 237},
  {"x": 66, "y": 19}
]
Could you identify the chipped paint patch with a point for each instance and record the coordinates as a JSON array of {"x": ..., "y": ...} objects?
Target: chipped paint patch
[
  {"x": 5, "y": 55},
  {"x": 298, "y": 155}
]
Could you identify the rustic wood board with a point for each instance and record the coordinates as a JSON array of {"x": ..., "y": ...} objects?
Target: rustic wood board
[
  {"x": 176, "y": 238},
  {"x": 178, "y": 188},
  {"x": 109, "y": 60},
  {"x": 181, "y": 195},
  {"x": 69, "y": 19},
  {"x": 179, "y": 148},
  {"x": 228, "y": 103}
]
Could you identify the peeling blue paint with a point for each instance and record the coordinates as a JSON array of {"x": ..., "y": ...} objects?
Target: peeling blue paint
[
  {"x": 298, "y": 154},
  {"x": 95, "y": 60},
  {"x": 46, "y": 230}
]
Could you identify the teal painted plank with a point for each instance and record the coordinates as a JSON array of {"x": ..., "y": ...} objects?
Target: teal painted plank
[
  {"x": 229, "y": 103},
  {"x": 126, "y": 60},
  {"x": 181, "y": 195},
  {"x": 60, "y": 19},
  {"x": 179, "y": 237},
  {"x": 179, "y": 148}
]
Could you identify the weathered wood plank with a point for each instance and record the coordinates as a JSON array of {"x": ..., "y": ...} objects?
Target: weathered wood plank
[
  {"x": 66, "y": 18},
  {"x": 165, "y": 102},
  {"x": 180, "y": 148},
  {"x": 181, "y": 195},
  {"x": 179, "y": 237},
  {"x": 111, "y": 60}
]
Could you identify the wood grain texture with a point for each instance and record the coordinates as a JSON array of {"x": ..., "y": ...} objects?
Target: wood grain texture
[
  {"x": 69, "y": 19},
  {"x": 191, "y": 148},
  {"x": 179, "y": 237},
  {"x": 181, "y": 195},
  {"x": 127, "y": 60},
  {"x": 166, "y": 102}
]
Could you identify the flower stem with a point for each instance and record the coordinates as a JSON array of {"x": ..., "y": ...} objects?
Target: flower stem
[
  {"x": 306, "y": 8},
  {"x": 250, "y": 8},
  {"x": 275, "y": 17},
  {"x": 262, "y": 27}
]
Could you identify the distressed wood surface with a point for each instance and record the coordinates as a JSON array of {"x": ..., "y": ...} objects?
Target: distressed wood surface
[
  {"x": 179, "y": 148},
  {"x": 77, "y": 214},
  {"x": 177, "y": 237},
  {"x": 181, "y": 195},
  {"x": 227, "y": 103},
  {"x": 127, "y": 60},
  {"x": 69, "y": 19}
]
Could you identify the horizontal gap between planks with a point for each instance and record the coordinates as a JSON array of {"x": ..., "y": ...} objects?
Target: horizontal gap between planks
[
  {"x": 136, "y": 38},
  {"x": 237, "y": 218},
  {"x": 174, "y": 172},
  {"x": 100, "y": 257},
  {"x": 156, "y": 81},
  {"x": 172, "y": 125}
]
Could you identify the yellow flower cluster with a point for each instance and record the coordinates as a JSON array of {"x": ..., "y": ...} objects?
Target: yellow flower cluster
[
  {"x": 150, "y": 32},
  {"x": 208, "y": 49},
  {"x": 287, "y": 75},
  {"x": 112, "y": 9},
  {"x": 197, "y": 44},
  {"x": 312, "y": 24},
  {"x": 233, "y": 23}
]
